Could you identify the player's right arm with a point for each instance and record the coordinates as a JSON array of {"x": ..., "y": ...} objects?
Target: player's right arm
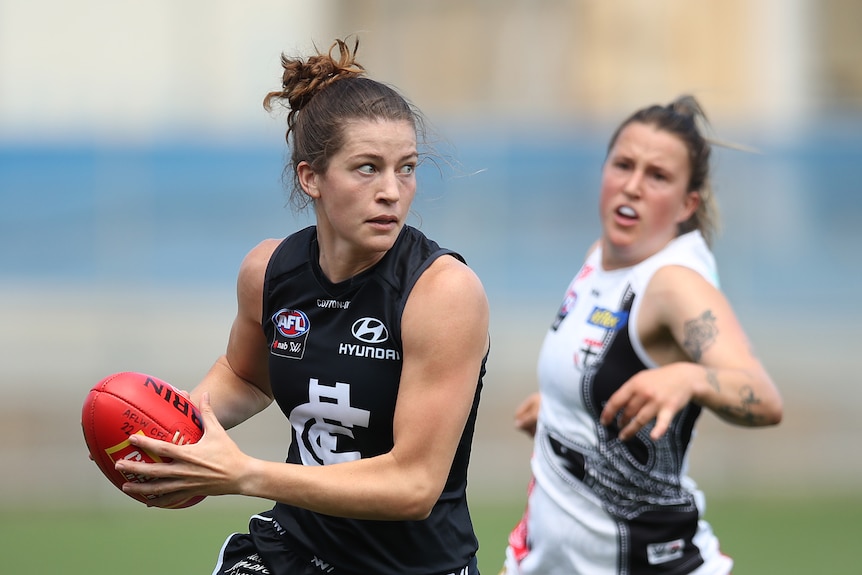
[{"x": 238, "y": 382}]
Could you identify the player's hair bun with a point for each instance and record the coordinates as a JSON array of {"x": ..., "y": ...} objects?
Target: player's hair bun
[{"x": 303, "y": 78}]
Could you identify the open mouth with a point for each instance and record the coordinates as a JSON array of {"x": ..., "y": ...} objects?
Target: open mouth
[{"x": 627, "y": 212}]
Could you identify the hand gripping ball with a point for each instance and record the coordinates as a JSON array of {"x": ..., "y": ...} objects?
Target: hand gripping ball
[{"x": 127, "y": 403}]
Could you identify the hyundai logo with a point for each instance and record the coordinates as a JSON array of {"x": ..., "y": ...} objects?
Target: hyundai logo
[{"x": 369, "y": 330}]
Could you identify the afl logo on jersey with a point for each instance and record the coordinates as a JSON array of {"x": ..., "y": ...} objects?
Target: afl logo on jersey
[
  {"x": 291, "y": 331},
  {"x": 565, "y": 308},
  {"x": 291, "y": 322},
  {"x": 369, "y": 330}
]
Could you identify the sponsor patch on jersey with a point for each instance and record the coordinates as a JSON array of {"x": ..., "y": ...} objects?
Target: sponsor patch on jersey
[
  {"x": 291, "y": 333},
  {"x": 369, "y": 332},
  {"x": 333, "y": 304},
  {"x": 607, "y": 319},
  {"x": 658, "y": 553}
]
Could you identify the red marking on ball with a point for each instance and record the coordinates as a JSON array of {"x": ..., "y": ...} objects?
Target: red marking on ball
[{"x": 128, "y": 403}]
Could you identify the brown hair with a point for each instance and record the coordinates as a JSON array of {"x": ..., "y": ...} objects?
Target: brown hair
[
  {"x": 323, "y": 94},
  {"x": 682, "y": 118}
]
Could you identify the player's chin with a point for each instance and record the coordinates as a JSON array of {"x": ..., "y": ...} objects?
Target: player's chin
[
  {"x": 381, "y": 241},
  {"x": 620, "y": 236}
]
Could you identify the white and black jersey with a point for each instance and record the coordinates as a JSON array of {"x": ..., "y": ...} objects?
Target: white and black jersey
[
  {"x": 335, "y": 367},
  {"x": 621, "y": 507}
]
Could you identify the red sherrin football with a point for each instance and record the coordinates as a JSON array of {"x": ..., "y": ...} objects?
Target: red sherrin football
[{"x": 126, "y": 403}]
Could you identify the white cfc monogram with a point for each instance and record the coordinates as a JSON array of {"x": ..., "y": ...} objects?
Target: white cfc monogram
[{"x": 325, "y": 421}]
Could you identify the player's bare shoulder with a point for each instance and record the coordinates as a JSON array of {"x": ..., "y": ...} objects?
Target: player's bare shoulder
[
  {"x": 674, "y": 288},
  {"x": 447, "y": 307},
  {"x": 450, "y": 279},
  {"x": 257, "y": 259},
  {"x": 252, "y": 270}
]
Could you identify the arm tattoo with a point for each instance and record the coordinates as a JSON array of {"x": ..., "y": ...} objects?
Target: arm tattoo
[
  {"x": 742, "y": 413},
  {"x": 712, "y": 379},
  {"x": 699, "y": 335}
]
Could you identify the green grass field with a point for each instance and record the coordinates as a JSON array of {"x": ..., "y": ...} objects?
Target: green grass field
[{"x": 782, "y": 536}]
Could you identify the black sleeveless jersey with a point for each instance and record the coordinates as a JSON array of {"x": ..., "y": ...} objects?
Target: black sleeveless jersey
[{"x": 335, "y": 367}]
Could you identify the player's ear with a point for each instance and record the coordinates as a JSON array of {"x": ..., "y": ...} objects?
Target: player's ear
[
  {"x": 307, "y": 179},
  {"x": 690, "y": 203}
]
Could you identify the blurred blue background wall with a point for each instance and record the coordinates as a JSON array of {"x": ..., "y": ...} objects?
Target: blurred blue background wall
[{"x": 137, "y": 167}]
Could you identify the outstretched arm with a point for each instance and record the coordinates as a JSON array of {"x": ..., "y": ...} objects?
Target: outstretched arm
[{"x": 690, "y": 329}]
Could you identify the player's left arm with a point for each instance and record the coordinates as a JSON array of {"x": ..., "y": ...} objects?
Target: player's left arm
[
  {"x": 709, "y": 360},
  {"x": 445, "y": 337}
]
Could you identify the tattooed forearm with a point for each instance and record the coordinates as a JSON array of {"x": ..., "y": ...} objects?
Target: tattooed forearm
[
  {"x": 742, "y": 413},
  {"x": 699, "y": 334},
  {"x": 712, "y": 379}
]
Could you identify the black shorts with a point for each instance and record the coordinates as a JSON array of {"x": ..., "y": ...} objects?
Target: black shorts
[{"x": 262, "y": 551}]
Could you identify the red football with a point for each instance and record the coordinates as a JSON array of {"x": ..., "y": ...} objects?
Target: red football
[{"x": 126, "y": 403}]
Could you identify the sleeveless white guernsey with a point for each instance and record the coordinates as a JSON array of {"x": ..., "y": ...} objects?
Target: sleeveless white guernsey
[{"x": 600, "y": 506}]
